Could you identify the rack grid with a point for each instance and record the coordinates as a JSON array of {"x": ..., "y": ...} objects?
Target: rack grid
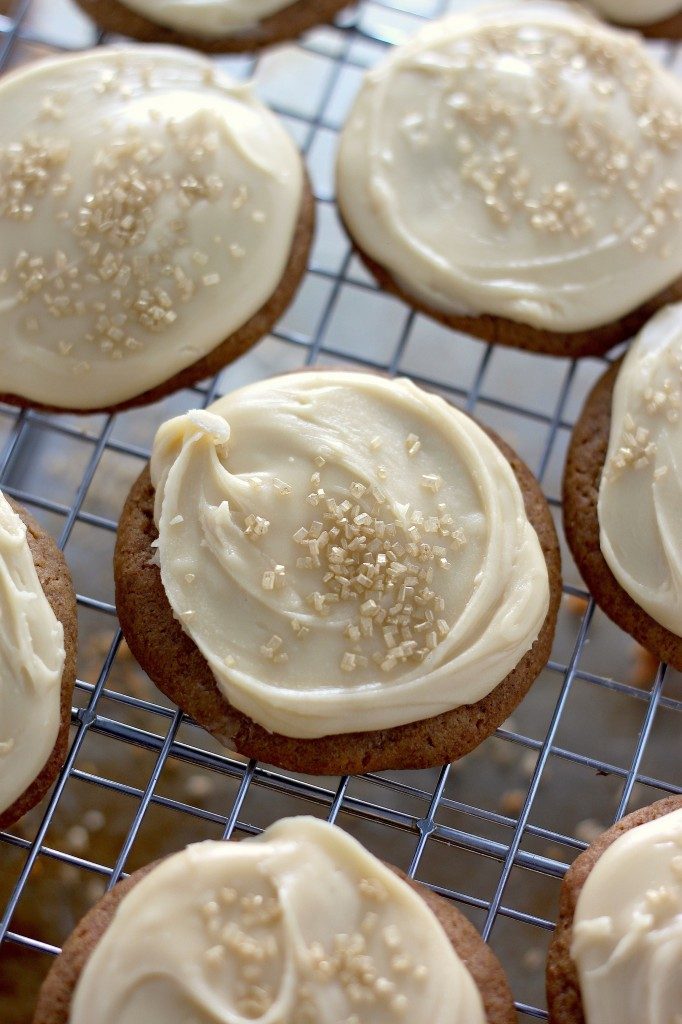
[{"x": 495, "y": 833}]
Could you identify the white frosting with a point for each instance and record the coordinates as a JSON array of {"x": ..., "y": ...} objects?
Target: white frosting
[
  {"x": 147, "y": 210},
  {"x": 418, "y": 595},
  {"x": 31, "y": 663},
  {"x": 627, "y": 929},
  {"x": 637, "y": 12},
  {"x": 640, "y": 494},
  {"x": 209, "y": 18},
  {"x": 300, "y": 925},
  {"x": 523, "y": 160}
]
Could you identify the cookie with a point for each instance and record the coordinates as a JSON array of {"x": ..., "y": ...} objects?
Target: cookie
[
  {"x": 475, "y": 965},
  {"x": 499, "y": 331},
  {"x": 168, "y": 245},
  {"x": 297, "y": 733},
  {"x": 292, "y": 21},
  {"x": 563, "y": 986},
  {"x": 470, "y": 197},
  {"x": 583, "y": 473},
  {"x": 55, "y": 580}
]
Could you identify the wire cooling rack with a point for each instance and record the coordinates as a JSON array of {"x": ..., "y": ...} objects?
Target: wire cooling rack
[{"x": 597, "y": 736}]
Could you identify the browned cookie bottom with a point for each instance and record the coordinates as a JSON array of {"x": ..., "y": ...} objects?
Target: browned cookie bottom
[
  {"x": 500, "y": 331},
  {"x": 563, "y": 987},
  {"x": 174, "y": 663},
  {"x": 56, "y": 994},
  {"x": 237, "y": 343},
  {"x": 293, "y": 21},
  {"x": 582, "y": 476},
  {"x": 55, "y": 580}
]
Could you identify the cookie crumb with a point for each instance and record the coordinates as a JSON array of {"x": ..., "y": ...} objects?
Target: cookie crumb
[
  {"x": 588, "y": 830},
  {"x": 511, "y": 802}
]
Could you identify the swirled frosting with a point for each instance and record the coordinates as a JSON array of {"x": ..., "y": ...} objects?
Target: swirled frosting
[
  {"x": 147, "y": 210},
  {"x": 348, "y": 553},
  {"x": 522, "y": 160},
  {"x": 637, "y": 12},
  {"x": 640, "y": 494},
  {"x": 210, "y": 18},
  {"x": 300, "y": 924},
  {"x": 31, "y": 663},
  {"x": 627, "y": 929}
]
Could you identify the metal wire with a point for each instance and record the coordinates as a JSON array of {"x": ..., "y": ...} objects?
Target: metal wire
[{"x": 385, "y": 802}]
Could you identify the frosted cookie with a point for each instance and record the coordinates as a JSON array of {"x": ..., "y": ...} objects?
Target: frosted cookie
[
  {"x": 336, "y": 572},
  {"x": 214, "y": 26},
  {"x": 300, "y": 924},
  {"x": 616, "y": 953},
  {"x": 651, "y": 17},
  {"x": 37, "y": 661},
  {"x": 515, "y": 173},
  {"x": 155, "y": 221},
  {"x": 623, "y": 491}
]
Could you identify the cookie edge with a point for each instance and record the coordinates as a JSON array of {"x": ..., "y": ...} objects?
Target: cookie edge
[
  {"x": 285, "y": 25},
  {"x": 498, "y": 330},
  {"x": 667, "y": 28},
  {"x": 564, "y": 1001},
  {"x": 582, "y": 475},
  {"x": 55, "y": 579}
]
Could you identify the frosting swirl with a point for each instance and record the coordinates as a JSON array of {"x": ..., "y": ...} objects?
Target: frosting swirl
[
  {"x": 300, "y": 924},
  {"x": 347, "y": 552},
  {"x": 147, "y": 209},
  {"x": 637, "y": 12},
  {"x": 31, "y": 663},
  {"x": 210, "y": 18},
  {"x": 640, "y": 494},
  {"x": 519, "y": 161},
  {"x": 627, "y": 929}
]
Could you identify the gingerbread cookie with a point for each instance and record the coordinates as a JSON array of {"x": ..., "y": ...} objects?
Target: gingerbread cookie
[
  {"x": 38, "y": 631},
  {"x": 214, "y": 26},
  {"x": 315, "y": 585},
  {"x": 513, "y": 172},
  {"x": 615, "y": 955},
  {"x": 156, "y": 222},
  {"x": 301, "y": 921},
  {"x": 621, "y": 489}
]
